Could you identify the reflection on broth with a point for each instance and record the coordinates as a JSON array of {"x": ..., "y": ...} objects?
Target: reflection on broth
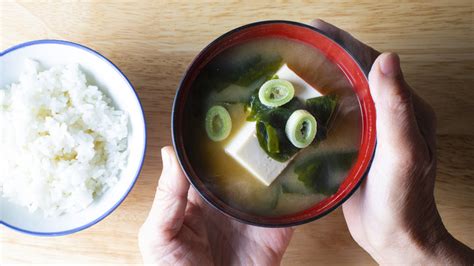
[{"x": 313, "y": 173}]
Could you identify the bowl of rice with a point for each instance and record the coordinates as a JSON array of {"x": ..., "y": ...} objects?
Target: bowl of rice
[{"x": 72, "y": 137}]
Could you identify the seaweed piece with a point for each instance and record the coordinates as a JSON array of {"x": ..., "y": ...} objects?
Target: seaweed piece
[
  {"x": 259, "y": 111},
  {"x": 274, "y": 120},
  {"x": 231, "y": 94},
  {"x": 256, "y": 69},
  {"x": 211, "y": 79},
  {"x": 242, "y": 74},
  {"x": 256, "y": 107},
  {"x": 267, "y": 138},
  {"x": 315, "y": 172},
  {"x": 274, "y": 143},
  {"x": 322, "y": 108},
  {"x": 224, "y": 80},
  {"x": 294, "y": 186},
  {"x": 270, "y": 127},
  {"x": 271, "y": 122}
]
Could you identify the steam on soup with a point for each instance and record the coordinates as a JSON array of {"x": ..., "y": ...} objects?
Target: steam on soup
[{"x": 273, "y": 127}]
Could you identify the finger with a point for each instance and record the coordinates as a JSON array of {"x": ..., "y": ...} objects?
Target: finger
[
  {"x": 194, "y": 197},
  {"x": 397, "y": 128},
  {"x": 331, "y": 30},
  {"x": 167, "y": 212},
  {"x": 363, "y": 53}
]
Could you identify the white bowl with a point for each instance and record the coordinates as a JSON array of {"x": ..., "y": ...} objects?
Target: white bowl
[{"x": 106, "y": 75}]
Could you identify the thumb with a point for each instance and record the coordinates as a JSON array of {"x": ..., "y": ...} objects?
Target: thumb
[
  {"x": 167, "y": 212},
  {"x": 397, "y": 128}
]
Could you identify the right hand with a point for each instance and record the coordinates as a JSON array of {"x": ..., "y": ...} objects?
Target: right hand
[{"x": 393, "y": 214}]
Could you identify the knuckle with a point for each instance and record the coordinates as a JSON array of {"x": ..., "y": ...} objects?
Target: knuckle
[
  {"x": 415, "y": 159},
  {"x": 407, "y": 161},
  {"x": 400, "y": 99},
  {"x": 165, "y": 193},
  {"x": 162, "y": 193}
]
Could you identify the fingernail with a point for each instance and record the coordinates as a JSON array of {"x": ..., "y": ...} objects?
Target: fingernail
[
  {"x": 390, "y": 65},
  {"x": 165, "y": 157}
]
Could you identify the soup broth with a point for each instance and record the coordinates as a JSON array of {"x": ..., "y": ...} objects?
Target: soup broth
[{"x": 315, "y": 172}]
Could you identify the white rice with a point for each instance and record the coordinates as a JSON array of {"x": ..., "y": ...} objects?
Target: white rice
[{"x": 62, "y": 143}]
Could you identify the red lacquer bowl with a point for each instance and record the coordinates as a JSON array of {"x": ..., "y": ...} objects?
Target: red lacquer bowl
[{"x": 335, "y": 53}]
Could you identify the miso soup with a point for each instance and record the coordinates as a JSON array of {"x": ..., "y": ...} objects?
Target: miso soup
[{"x": 304, "y": 142}]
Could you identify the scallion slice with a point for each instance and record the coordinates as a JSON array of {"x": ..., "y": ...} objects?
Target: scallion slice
[
  {"x": 218, "y": 123},
  {"x": 276, "y": 92},
  {"x": 301, "y": 128}
]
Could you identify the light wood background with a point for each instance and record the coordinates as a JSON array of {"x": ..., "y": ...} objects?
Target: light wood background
[{"x": 153, "y": 42}]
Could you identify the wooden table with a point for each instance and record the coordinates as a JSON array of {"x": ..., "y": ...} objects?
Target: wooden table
[{"x": 153, "y": 42}]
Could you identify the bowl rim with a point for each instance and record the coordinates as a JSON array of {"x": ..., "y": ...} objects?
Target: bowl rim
[
  {"x": 138, "y": 171},
  {"x": 180, "y": 153}
]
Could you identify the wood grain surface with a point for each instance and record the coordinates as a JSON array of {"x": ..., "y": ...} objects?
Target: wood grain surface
[{"x": 153, "y": 42}]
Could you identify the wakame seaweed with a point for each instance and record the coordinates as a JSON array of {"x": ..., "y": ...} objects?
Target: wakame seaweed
[
  {"x": 249, "y": 74},
  {"x": 271, "y": 122},
  {"x": 259, "y": 111},
  {"x": 272, "y": 137},
  {"x": 322, "y": 109},
  {"x": 315, "y": 172},
  {"x": 270, "y": 127},
  {"x": 259, "y": 69},
  {"x": 218, "y": 77}
]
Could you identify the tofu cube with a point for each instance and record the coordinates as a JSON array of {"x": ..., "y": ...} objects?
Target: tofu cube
[
  {"x": 245, "y": 149},
  {"x": 244, "y": 146},
  {"x": 302, "y": 89}
]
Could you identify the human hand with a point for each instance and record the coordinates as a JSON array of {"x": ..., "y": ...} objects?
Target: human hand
[
  {"x": 393, "y": 214},
  {"x": 181, "y": 229}
]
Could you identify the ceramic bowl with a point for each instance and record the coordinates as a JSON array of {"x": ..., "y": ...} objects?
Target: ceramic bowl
[
  {"x": 102, "y": 72},
  {"x": 336, "y": 54}
]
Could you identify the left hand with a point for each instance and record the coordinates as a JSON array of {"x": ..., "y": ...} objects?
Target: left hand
[{"x": 181, "y": 229}]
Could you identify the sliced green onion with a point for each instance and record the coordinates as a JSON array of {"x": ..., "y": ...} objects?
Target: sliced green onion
[
  {"x": 218, "y": 123},
  {"x": 301, "y": 128},
  {"x": 276, "y": 92}
]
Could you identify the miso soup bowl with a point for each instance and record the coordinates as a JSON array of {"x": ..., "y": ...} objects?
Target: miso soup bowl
[{"x": 335, "y": 53}]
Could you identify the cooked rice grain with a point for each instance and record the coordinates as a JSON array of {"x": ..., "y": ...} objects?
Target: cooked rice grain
[{"x": 62, "y": 143}]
